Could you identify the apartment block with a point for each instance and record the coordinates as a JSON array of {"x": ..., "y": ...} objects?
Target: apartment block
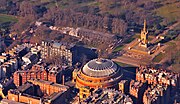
[
  {"x": 137, "y": 90},
  {"x": 65, "y": 51},
  {"x": 157, "y": 95}
]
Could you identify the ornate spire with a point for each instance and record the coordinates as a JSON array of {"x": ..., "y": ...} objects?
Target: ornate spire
[
  {"x": 144, "y": 35},
  {"x": 144, "y": 25}
]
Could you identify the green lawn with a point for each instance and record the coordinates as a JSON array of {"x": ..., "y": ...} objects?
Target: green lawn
[
  {"x": 123, "y": 64},
  {"x": 7, "y": 18},
  {"x": 129, "y": 40},
  {"x": 118, "y": 48},
  {"x": 171, "y": 44},
  {"x": 169, "y": 11},
  {"x": 158, "y": 58}
]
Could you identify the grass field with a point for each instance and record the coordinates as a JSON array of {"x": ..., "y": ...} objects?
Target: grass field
[
  {"x": 7, "y": 18},
  {"x": 172, "y": 44},
  {"x": 169, "y": 11},
  {"x": 118, "y": 48},
  {"x": 123, "y": 64},
  {"x": 158, "y": 58}
]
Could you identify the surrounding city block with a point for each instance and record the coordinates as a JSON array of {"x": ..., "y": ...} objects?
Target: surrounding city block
[{"x": 89, "y": 52}]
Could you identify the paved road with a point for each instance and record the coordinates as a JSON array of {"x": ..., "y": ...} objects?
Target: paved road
[
  {"x": 166, "y": 31},
  {"x": 129, "y": 61},
  {"x": 158, "y": 51}
]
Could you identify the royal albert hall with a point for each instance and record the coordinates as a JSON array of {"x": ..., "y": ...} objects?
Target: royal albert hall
[{"x": 99, "y": 73}]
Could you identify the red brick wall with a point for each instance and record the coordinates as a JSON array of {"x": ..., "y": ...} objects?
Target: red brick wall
[
  {"x": 13, "y": 97},
  {"x": 16, "y": 79},
  {"x": 29, "y": 75},
  {"x": 24, "y": 77},
  {"x": 29, "y": 100},
  {"x": 134, "y": 93},
  {"x": 52, "y": 78},
  {"x": 47, "y": 88},
  {"x": 22, "y": 98}
]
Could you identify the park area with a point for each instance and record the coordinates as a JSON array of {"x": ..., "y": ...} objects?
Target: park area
[{"x": 7, "y": 20}]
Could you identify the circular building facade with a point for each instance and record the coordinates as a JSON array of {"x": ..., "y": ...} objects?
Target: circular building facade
[{"x": 99, "y": 73}]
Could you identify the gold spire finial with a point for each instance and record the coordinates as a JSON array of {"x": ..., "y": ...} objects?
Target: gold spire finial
[
  {"x": 144, "y": 34},
  {"x": 144, "y": 25}
]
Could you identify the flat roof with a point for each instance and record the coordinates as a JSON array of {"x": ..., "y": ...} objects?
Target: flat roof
[
  {"x": 24, "y": 87},
  {"x": 3, "y": 57},
  {"x": 60, "y": 85},
  {"x": 42, "y": 81},
  {"x": 6, "y": 101},
  {"x": 55, "y": 95}
]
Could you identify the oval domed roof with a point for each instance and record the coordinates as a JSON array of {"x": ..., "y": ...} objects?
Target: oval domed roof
[{"x": 100, "y": 68}]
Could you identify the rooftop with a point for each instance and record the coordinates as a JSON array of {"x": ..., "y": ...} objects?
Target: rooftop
[
  {"x": 60, "y": 85},
  {"x": 55, "y": 95},
  {"x": 59, "y": 44},
  {"x": 108, "y": 96},
  {"x": 159, "y": 73},
  {"x": 136, "y": 84},
  {"x": 100, "y": 68},
  {"x": 6, "y": 101},
  {"x": 24, "y": 87},
  {"x": 3, "y": 57},
  {"x": 28, "y": 55},
  {"x": 155, "y": 91},
  {"x": 43, "y": 81},
  {"x": 49, "y": 83}
]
